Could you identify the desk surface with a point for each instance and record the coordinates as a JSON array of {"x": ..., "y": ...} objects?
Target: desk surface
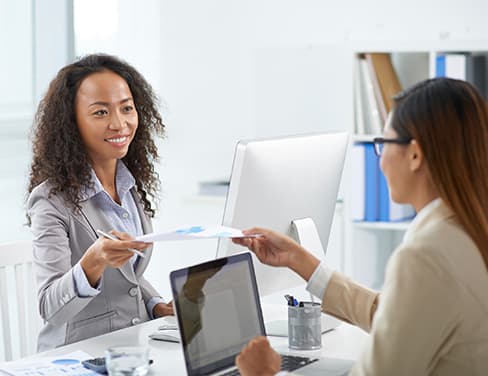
[{"x": 345, "y": 342}]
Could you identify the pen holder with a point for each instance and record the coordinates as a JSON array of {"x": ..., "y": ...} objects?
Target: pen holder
[{"x": 304, "y": 326}]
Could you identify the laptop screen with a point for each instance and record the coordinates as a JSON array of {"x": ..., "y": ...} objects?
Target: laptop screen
[{"x": 218, "y": 310}]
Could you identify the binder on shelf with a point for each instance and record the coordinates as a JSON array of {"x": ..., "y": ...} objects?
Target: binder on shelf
[
  {"x": 390, "y": 211},
  {"x": 476, "y": 73},
  {"x": 440, "y": 66},
  {"x": 369, "y": 194},
  {"x": 376, "y": 88},
  {"x": 452, "y": 65},
  {"x": 464, "y": 66},
  {"x": 371, "y": 115},
  {"x": 371, "y": 183},
  {"x": 384, "y": 201},
  {"x": 385, "y": 81},
  {"x": 359, "y": 121},
  {"x": 456, "y": 66}
]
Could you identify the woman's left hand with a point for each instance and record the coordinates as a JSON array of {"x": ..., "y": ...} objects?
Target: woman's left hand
[{"x": 163, "y": 309}]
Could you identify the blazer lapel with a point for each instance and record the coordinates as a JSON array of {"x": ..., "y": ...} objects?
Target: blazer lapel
[
  {"x": 97, "y": 220},
  {"x": 146, "y": 229}
]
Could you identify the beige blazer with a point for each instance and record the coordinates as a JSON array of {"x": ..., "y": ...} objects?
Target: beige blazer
[
  {"x": 432, "y": 315},
  {"x": 61, "y": 237}
]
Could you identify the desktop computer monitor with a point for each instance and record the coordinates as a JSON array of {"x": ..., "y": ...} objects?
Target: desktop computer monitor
[{"x": 275, "y": 182}]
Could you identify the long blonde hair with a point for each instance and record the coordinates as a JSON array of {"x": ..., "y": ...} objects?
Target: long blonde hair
[{"x": 449, "y": 120}]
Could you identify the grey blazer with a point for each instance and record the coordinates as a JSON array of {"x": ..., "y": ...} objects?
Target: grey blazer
[{"x": 61, "y": 237}]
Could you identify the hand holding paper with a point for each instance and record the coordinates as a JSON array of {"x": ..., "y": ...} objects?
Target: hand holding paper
[{"x": 194, "y": 232}]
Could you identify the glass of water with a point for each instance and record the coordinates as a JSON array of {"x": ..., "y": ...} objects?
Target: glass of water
[{"x": 127, "y": 360}]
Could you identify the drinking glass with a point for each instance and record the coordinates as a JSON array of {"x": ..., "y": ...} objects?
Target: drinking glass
[{"x": 127, "y": 360}]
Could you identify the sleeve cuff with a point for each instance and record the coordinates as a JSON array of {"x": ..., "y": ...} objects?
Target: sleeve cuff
[
  {"x": 151, "y": 303},
  {"x": 82, "y": 286},
  {"x": 319, "y": 280}
]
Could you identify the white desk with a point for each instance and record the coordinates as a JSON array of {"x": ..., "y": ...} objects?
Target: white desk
[{"x": 344, "y": 342}]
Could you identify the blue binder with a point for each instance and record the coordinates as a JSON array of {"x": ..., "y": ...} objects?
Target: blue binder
[
  {"x": 388, "y": 211},
  {"x": 384, "y": 198},
  {"x": 440, "y": 66},
  {"x": 371, "y": 183}
]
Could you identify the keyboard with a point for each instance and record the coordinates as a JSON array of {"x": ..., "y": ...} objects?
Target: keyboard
[
  {"x": 293, "y": 362},
  {"x": 171, "y": 335},
  {"x": 288, "y": 363}
]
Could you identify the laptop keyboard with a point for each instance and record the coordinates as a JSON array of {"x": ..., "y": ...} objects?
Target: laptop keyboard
[
  {"x": 232, "y": 372},
  {"x": 292, "y": 362},
  {"x": 288, "y": 363}
]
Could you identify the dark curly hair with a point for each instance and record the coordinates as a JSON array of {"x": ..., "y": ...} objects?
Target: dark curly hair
[{"x": 59, "y": 154}]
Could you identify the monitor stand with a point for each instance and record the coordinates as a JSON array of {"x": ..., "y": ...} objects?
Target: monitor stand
[
  {"x": 305, "y": 232},
  {"x": 275, "y": 310}
]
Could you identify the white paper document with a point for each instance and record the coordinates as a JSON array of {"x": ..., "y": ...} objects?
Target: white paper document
[
  {"x": 194, "y": 232},
  {"x": 66, "y": 365}
]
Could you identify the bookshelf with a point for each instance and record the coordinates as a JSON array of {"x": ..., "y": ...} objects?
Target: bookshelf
[{"x": 369, "y": 244}]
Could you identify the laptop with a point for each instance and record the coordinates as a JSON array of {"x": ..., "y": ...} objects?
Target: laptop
[{"x": 218, "y": 310}]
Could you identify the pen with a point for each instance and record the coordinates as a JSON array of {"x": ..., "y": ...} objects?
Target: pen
[
  {"x": 113, "y": 237},
  {"x": 291, "y": 300}
]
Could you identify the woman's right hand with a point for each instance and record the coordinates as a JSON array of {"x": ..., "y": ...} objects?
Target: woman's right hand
[
  {"x": 115, "y": 253},
  {"x": 106, "y": 252},
  {"x": 275, "y": 249},
  {"x": 270, "y": 247}
]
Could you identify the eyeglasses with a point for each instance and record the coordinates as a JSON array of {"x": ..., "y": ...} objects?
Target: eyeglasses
[{"x": 379, "y": 142}]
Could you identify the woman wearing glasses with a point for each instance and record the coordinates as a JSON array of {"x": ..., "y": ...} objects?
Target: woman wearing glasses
[{"x": 430, "y": 318}]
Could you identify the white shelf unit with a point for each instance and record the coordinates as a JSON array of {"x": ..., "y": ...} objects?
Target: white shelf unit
[
  {"x": 368, "y": 245},
  {"x": 388, "y": 226}
]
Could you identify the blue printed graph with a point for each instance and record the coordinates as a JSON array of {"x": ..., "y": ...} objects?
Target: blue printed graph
[
  {"x": 65, "y": 362},
  {"x": 191, "y": 230}
]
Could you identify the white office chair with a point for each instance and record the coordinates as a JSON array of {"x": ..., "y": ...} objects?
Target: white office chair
[{"x": 20, "y": 319}]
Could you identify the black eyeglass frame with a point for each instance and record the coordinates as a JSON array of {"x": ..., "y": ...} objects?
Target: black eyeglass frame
[{"x": 378, "y": 141}]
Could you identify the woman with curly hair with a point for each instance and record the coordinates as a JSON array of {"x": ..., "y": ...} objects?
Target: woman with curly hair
[{"x": 92, "y": 169}]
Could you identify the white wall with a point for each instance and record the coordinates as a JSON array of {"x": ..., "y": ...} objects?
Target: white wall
[
  {"x": 16, "y": 49},
  {"x": 235, "y": 69},
  {"x": 33, "y": 46},
  {"x": 16, "y": 102}
]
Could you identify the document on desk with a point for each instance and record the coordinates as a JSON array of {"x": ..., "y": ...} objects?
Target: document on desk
[
  {"x": 66, "y": 365},
  {"x": 194, "y": 232}
]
